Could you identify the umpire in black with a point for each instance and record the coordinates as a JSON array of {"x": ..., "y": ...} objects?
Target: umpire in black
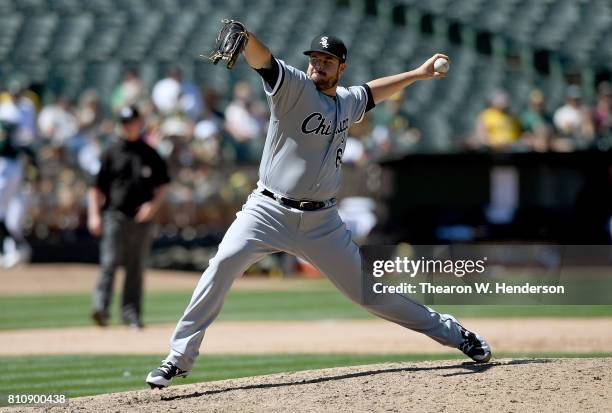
[{"x": 126, "y": 195}]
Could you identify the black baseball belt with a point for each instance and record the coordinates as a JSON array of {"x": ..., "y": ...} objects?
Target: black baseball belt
[{"x": 303, "y": 205}]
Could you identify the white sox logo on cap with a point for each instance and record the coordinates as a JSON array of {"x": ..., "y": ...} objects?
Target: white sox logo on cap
[{"x": 324, "y": 42}]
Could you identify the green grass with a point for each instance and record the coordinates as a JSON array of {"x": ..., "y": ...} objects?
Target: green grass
[
  {"x": 81, "y": 375},
  {"x": 21, "y": 312},
  {"x": 74, "y": 310}
]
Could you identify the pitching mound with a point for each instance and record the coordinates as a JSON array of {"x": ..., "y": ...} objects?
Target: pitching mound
[{"x": 502, "y": 385}]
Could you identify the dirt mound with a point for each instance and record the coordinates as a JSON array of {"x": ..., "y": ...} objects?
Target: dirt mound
[{"x": 503, "y": 385}]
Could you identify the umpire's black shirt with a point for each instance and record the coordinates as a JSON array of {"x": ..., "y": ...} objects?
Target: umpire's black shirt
[{"x": 129, "y": 174}]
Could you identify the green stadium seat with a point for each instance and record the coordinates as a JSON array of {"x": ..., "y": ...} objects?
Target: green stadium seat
[
  {"x": 135, "y": 7},
  {"x": 35, "y": 37},
  {"x": 9, "y": 28},
  {"x": 166, "y": 6},
  {"x": 138, "y": 37},
  {"x": 101, "y": 6},
  {"x": 7, "y": 7},
  {"x": 70, "y": 37},
  {"x": 106, "y": 35},
  {"x": 194, "y": 6},
  {"x": 170, "y": 43},
  {"x": 31, "y": 6},
  {"x": 65, "y": 6}
]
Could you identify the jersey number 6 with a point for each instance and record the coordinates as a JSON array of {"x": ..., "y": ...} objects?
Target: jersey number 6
[{"x": 338, "y": 157}]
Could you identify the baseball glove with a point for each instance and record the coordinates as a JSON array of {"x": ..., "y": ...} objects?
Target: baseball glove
[{"x": 231, "y": 40}]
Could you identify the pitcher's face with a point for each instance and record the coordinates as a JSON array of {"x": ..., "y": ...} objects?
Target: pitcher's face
[{"x": 324, "y": 70}]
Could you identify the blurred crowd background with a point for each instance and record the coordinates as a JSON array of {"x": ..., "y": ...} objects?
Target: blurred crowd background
[{"x": 526, "y": 76}]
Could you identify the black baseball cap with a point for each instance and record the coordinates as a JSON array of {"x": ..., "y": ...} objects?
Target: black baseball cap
[
  {"x": 330, "y": 45},
  {"x": 128, "y": 113}
]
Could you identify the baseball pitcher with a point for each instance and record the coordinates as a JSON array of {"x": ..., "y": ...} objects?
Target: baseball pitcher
[{"x": 293, "y": 209}]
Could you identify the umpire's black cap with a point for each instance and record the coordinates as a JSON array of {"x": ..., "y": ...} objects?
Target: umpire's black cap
[
  {"x": 330, "y": 45},
  {"x": 128, "y": 113}
]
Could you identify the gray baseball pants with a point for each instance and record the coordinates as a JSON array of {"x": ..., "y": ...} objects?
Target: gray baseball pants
[
  {"x": 264, "y": 227},
  {"x": 124, "y": 242}
]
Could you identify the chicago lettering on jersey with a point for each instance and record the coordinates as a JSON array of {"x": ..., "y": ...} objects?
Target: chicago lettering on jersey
[{"x": 317, "y": 124}]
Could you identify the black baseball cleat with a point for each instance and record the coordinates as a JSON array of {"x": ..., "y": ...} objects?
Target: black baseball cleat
[
  {"x": 161, "y": 376},
  {"x": 475, "y": 346},
  {"x": 100, "y": 318}
]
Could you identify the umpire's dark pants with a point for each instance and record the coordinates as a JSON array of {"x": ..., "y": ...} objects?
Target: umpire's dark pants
[{"x": 126, "y": 242}]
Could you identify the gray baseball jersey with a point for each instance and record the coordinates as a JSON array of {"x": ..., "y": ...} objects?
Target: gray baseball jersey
[
  {"x": 302, "y": 156},
  {"x": 301, "y": 160}
]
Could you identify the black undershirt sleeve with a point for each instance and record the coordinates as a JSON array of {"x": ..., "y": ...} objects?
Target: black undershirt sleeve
[
  {"x": 370, "y": 104},
  {"x": 269, "y": 75}
]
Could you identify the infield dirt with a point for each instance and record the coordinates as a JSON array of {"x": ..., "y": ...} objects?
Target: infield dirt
[{"x": 524, "y": 385}]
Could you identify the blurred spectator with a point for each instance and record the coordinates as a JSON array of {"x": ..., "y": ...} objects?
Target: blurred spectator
[
  {"x": 212, "y": 102},
  {"x": 496, "y": 127},
  {"x": 56, "y": 206},
  {"x": 13, "y": 248},
  {"x": 57, "y": 123},
  {"x": 356, "y": 150},
  {"x": 190, "y": 101},
  {"x": 208, "y": 131},
  {"x": 16, "y": 96},
  {"x": 16, "y": 247},
  {"x": 10, "y": 116},
  {"x": 126, "y": 196},
  {"x": 173, "y": 95},
  {"x": 89, "y": 113},
  {"x": 392, "y": 131},
  {"x": 207, "y": 146},
  {"x": 243, "y": 122},
  {"x": 537, "y": 122},
  {"x": 176, "y": 126},
  {"x": 129, "y": 92},
  {"x": 573, "y": 122},
  {"x": 167, "y": 91},
  {"x": 92, "y": 128},
  {"x": 602, "y": 113},
  {"x": 357, "y": 212}
]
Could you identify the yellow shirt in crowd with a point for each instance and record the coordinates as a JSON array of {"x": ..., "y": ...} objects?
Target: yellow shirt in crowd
[{"x": 502, "y": 128}]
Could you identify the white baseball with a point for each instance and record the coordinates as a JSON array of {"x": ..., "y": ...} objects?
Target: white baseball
[{"x": 441, "y": 65}]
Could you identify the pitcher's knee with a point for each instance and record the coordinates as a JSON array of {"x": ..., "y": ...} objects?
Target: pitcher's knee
[{"x": 233, "y": 264}]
